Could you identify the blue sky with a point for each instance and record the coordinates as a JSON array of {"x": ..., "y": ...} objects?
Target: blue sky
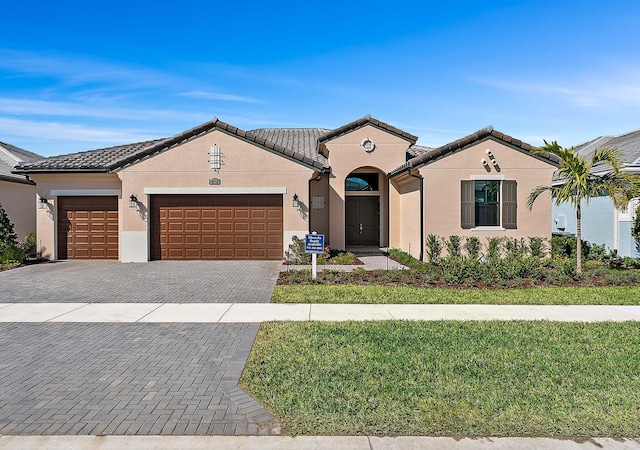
[{"x": 83, "y": 75}]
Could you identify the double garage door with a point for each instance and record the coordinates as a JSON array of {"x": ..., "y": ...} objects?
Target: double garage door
[
  {"x": 182, "y": 227},
  {"x": 216, "y": 227}
]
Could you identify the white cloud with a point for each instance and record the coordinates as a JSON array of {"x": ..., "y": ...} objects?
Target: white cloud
[
  {"x": 18, "y": 106},
  {"x": 220, "y": 96},
  {"x": 622, "y": 89},
  {"x": 57, "y": 132}
]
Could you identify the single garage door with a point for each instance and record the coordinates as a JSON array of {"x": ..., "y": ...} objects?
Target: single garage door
[
  {"x": 87, "y": 227},
  {"x": 216, "y": 227}
]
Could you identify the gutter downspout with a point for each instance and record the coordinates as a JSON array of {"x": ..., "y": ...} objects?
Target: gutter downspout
[
  {"x": 421, "y": 178},
  {"x": 318, "y": 178}
]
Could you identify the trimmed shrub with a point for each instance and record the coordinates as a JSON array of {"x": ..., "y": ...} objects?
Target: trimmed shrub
[
  {"x": 453, "y": 244},
  {"x": 472, "y": 247},
  {"x": 433, "y": 248}
]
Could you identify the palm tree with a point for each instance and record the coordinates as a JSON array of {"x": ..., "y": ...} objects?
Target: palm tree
[{"x": 580, "y": 183}]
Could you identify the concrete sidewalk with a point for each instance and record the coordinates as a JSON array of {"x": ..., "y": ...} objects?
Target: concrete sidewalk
[
  {"x": 262, "y": 312},
  {"x": 306, "y": 442}
]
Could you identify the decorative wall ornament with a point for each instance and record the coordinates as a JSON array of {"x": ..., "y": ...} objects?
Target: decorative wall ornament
[
  {"x": 215, "y": 158},
  {"x": 368, "y": 145}
]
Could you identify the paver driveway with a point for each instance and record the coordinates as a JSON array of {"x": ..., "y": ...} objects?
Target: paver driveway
[
  {"x": 152, "y": 282},
  {"x": 134, "y": 378}
]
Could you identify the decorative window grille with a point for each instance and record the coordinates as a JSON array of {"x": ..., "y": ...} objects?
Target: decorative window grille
[{"x": 215, "y": 158}]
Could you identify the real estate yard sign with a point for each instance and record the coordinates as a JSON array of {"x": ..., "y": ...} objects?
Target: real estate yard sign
[{"x": 314, "y": 244}]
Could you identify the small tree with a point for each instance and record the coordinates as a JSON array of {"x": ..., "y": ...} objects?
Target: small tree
[
  {"x": 8, "y": 238},
  {"x": 580, "y": 184}
]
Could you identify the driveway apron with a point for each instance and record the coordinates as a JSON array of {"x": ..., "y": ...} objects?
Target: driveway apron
[{"x": 133, "y": 378}]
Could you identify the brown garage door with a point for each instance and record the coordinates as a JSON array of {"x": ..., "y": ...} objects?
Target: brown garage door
[
  {"x": 216, "y": 227},
  {"x": 88, "y": 227}
]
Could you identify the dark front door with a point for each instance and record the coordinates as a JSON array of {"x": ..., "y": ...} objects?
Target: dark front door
[{"x": 363, "y": 220}]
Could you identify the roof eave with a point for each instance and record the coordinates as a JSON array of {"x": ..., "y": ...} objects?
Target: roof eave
[
  {"x": 67, "y": 170},
  {"x": 16, "y": 180},
  {"x": 367, "y": 120},
  {"x": 467, "y": 141}
]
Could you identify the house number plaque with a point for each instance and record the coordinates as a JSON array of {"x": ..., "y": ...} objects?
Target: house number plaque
[{"x": 214, "y": 181}]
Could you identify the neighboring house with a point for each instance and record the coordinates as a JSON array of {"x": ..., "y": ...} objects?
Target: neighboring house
[
  {"x": 17, "y": 192},
  {"x": 218, "y": 192},
  {"x": 601, "y": 222}
]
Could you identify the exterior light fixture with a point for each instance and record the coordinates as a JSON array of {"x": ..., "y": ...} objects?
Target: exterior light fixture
[
  {"x": 42, "y": 203},
  {"x": 485, "y": 163},
  {"x": 133, "y": 200},
  {"x": 489, "y": 153},
  {"x": 295, "y": 201}
]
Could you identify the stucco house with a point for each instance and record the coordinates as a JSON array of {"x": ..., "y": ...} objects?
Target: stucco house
[
  {"x": 17, "y": 192},
  {"x": 219, "y": 192},
  {"x": 602, "y": 223}
]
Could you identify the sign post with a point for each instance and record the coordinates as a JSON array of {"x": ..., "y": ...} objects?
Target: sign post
[{"x": 314, "y": 244}]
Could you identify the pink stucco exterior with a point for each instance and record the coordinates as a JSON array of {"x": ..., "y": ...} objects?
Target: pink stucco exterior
[
  {"x": 255, "y": 167},
  {"x": 19, "y": 201}
]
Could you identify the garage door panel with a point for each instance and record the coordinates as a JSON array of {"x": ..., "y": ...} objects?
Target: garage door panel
[
  {"x": 241, "y": 227},
  {"x": 216, "y": 226},
  {"x": 192, "y": 227},
  {"x": 225, "y": 227},
  {"x": 87, "y": 227}
]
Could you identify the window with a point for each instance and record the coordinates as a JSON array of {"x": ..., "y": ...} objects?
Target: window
[
  {"x": 489, "y": 203},
  {"x": 487, "y": 200},
  {"x": 362, "y": 182}
]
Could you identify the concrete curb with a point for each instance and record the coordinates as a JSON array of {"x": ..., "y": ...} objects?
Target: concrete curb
[{"x": 305, "y": 442}]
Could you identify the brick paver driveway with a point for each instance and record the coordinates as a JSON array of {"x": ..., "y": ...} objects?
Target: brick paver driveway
[
  {"x": 140, "y": 378},
  {"x": 152, "y": 282}
]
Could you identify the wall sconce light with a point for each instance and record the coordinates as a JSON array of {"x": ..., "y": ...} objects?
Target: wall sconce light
[
  {"x": 485, "y": 163},
  {"x": 133, "y": 201},
  {"x": 295, "y": 201},
  {"x": 494, "y": 162},
  {"x": 42, "y": 203},
  {"x": 489, "y": 153}
]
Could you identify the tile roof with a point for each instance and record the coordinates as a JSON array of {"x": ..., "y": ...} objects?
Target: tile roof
[
  {"x": 87, "y": 161},
  {"x": 300, "y": 140},
  {"x": 367, "y": 120},
  {"x": 417, "y": 150},
  {"x": 10, "y": 156},
  {"x": 117, "y": 157},
  {"x": 628, "y": 144},
  {"x": 452, "y": 147}
]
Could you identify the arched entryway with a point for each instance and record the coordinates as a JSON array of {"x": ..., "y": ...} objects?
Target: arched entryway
[{"x": 363, "y": 202}]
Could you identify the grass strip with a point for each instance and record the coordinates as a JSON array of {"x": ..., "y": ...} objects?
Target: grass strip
[
  {"x": 449, "y": 378},
  {"x": 370, "y": 294}
]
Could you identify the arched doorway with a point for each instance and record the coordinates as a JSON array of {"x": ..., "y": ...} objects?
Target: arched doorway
[{"x": 362, "y": 207}]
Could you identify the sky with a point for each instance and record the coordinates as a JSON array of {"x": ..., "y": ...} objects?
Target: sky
[{"x": 81, "y": 75}]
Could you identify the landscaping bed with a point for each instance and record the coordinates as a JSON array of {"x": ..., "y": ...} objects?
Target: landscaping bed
[{"x": 449, "y": 378}]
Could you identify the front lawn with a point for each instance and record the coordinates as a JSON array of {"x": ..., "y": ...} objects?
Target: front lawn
[
  {"x": 621, "y": 295},
  {"x": 449, "y": 378}
]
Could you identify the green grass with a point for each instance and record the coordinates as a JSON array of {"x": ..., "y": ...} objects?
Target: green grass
[
  {"x": 449, "y": 378},
  {"x": 622, "y": 295}
]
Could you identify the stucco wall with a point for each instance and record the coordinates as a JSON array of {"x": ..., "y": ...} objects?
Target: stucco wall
[
  {"x": 346, "y": 155},
  {"x": 404, "y": 223},
  {"x": 245, "y": 166},
  {"x": 19, "y": 201},
  {"x": 443, "y": 186},
  {"x": 320, "y": 212},
  {"x": 52, "y": 185}
]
